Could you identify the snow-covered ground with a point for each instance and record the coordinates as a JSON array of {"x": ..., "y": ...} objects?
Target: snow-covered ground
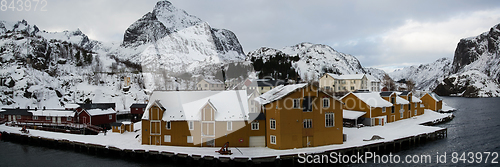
[
  {"x": 447, "y": 108},
  {"x": 127, "y": 140}
]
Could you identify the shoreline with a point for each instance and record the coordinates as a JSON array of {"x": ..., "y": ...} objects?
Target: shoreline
[{"x": 410, "y": 132}]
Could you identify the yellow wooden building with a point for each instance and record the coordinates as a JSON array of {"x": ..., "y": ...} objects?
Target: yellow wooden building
[
  {"x": 376, "y": 109},
  {"x": 202, "y": 119},
  {"x": 301, "y": 115},
  {"x": 432, "y": 101},
  {"x": 415, "y": 107},
  {"x": 399, "y": 110}
]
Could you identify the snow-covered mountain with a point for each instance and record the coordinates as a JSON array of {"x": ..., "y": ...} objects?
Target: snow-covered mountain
[
  {"x": 314, "y": 59},
  {"x": 52, "y": 69},
  {"x": 425, "y": 76},
  {"x": 473, "y": 72}
]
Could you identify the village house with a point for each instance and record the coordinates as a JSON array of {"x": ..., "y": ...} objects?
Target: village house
[
  {"x": 201, "y": 119},
  {"x": 301, "y": 115},
  {"x": 137, "y": 109},
  {"x": 121, "y": 127},
  {"x": 98, "y": 114},
  {"x": 367, "y": 108},
  {"x": 343, "y": 83},
  {"x": 432, "y": 101},
  {"x": 38, "y": 116},
  {"x": 415, "y": 107},
  {"x": 399, "y": 110},
  {"x": 373, "y": 83},
  {"x": 210, "y": 84},
  {"x": 263, "y": 85}
]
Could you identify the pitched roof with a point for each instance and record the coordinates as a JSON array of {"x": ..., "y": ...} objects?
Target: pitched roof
[
  {"x": 386, "y": 94},
  {"x": 400, "y": 100},
  {"x": 94, "y": 112},
  {"x": 372, "y": 99},
  {"x": 231, "y": 105},
  {"x": 435, "y": 96},
  {"x": 371, "y": 78},
  {"x": 278, "y": 93},
  {"x": 257, "y": 116},
  {"x": 54, "y": 113},
  {"x": 415, "y": 99},
  {"x": 102, "y": 106},
  {"x": 349, "y": 76},
  {"x": 213, "y": 81},
  {"x": 138, "y": 105},
  {"x": 349, "y": 114},
  {"x": 15, "y": 111},
  {"x": 405, "y": 93}
]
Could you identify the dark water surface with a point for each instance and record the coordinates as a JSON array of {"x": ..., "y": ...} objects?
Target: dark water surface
[{"x": 476, "y": 128}]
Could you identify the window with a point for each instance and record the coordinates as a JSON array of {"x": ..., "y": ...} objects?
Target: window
[
  {"x": 329, "y": 119},
  {"x": 307, "y": 123},
  {"x": 206, "y": 85},
  {"x": 191, "y": 125},
  {"x": 68, "y": 118},
  {"x": 34, "y": 117},
  {"x": 273, "y": 139},
  {"x": 190, "y": 139},
  {"x": 393, "y": 100},
  {"x": 48, "y": 118},
  {"x": 229, "y": 126},
  {"x": 409, "y": 98},
  {"x": 401, "y": 107},
  {"x": 383, "y": 109},
  {"x": 354, "y": 81},
  {"x": 296, "y": 103},
  {"x": 392, "y": 109},
  {"x": 400, "y": 115},
  {"x": 307, "y": 104},
  {"x": 326, "y": 102},
  {"x": 327, "y": 87},
  {"x": 409, "y": 106},
  {"x": 352, "y": 87},
  {"x": 255, "y": 125},
  {"x": 199, "y": 85},
  {"x": 415, "y": 112},
  {"x": 169, "y": 125},
  {"x": 1, "y": 116},
  {"x": 110, "y": 117},
  {"x": 167, "y": 138},
  {"x": 18, "y": 117},
  {"x": 272, "y": 124}
]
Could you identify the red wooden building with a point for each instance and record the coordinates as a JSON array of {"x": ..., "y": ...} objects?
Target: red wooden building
[
  {"x": 99, "y": 114},
  {"x": 137, "y": 109}
]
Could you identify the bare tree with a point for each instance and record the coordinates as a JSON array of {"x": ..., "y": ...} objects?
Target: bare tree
[{"x": 388, "y": 83}]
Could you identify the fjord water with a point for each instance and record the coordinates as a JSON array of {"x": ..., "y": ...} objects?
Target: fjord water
[{"x": 476, "y": 128}]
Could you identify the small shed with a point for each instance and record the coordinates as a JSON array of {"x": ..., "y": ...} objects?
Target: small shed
[{"x": 121, "y": 127}]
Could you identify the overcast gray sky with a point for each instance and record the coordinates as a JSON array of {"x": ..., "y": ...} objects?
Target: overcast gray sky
[{"x": 385, "y": 34}]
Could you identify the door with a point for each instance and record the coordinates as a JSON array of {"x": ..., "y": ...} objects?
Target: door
[
  {"x": 14, "y": 118},
  {"x": 58, "y": 120},
  {"x": 393, "y": 118},
  {"x": 380, "y": 120},
  {"x": 155, "y": 140},
  {"x": 307, "y": 141},
  {"x": 257, "y": 141},
  {"x": 54, "y": 119},
  {"x": 409, "y": 114},
  {"x": 9, "y": 117}
]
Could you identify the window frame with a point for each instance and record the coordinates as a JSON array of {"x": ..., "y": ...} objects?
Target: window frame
[
  {"x": 327, "y": 100},
  {"x": 296, "y": 103},
  {"x": 256, "y": 124},
  {"x": 18, "y": 116},
  {"x": 169, "y": 137},
  {"x": 110, "y": 117},
  {"x": 188, "y": 139},
  {"x": 34, "y": 117},
  {"x": 329, "y": 119},
  {"x": 272, "y": 124},
  {"x": 69, "y": 118},
  {"x": 384, "y": 110},
  {"x": 191, "y": 125},
  {"x": 47, "y": 118},
  {"x": 272, "y": 139},
  {"x": 401, "y": 114},
  {"x": 168, "y": 125},
  {"x": 307, "y": 123}
]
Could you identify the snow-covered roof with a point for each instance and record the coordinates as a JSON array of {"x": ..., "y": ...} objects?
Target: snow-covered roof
[
  {"x": 94, "y": 112},
  {"x": 349, "y": 114},
  {"x": 213, "y": 81},
  {"x": 71, "y": 105},
  {"x": 371, "y": 78},
  {"x": 400, "y": 100},
  {"x": 349, "y": 76},
  {"x": 415, "y": 99},
  {"x": 278, "y": 92},
  {"x": 53, "y": 113},
  {"x": 435, "y": 96},
  {"x": 372, "y": 99},
  {"x": 231, "y": 105}
]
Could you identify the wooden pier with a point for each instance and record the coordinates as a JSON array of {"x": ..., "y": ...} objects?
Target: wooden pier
[{"x": 193, "y": 159}]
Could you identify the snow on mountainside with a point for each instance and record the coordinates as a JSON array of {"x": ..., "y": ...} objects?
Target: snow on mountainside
[
  {"x": 52, "y": 69},
  {"x": 473, "y": 72},
  {"x": 178, "y": 44},
  {"x": 476, "y": 67},
  {"x": 314, "y": 60},
  {"x": 425, "y": 76}
]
